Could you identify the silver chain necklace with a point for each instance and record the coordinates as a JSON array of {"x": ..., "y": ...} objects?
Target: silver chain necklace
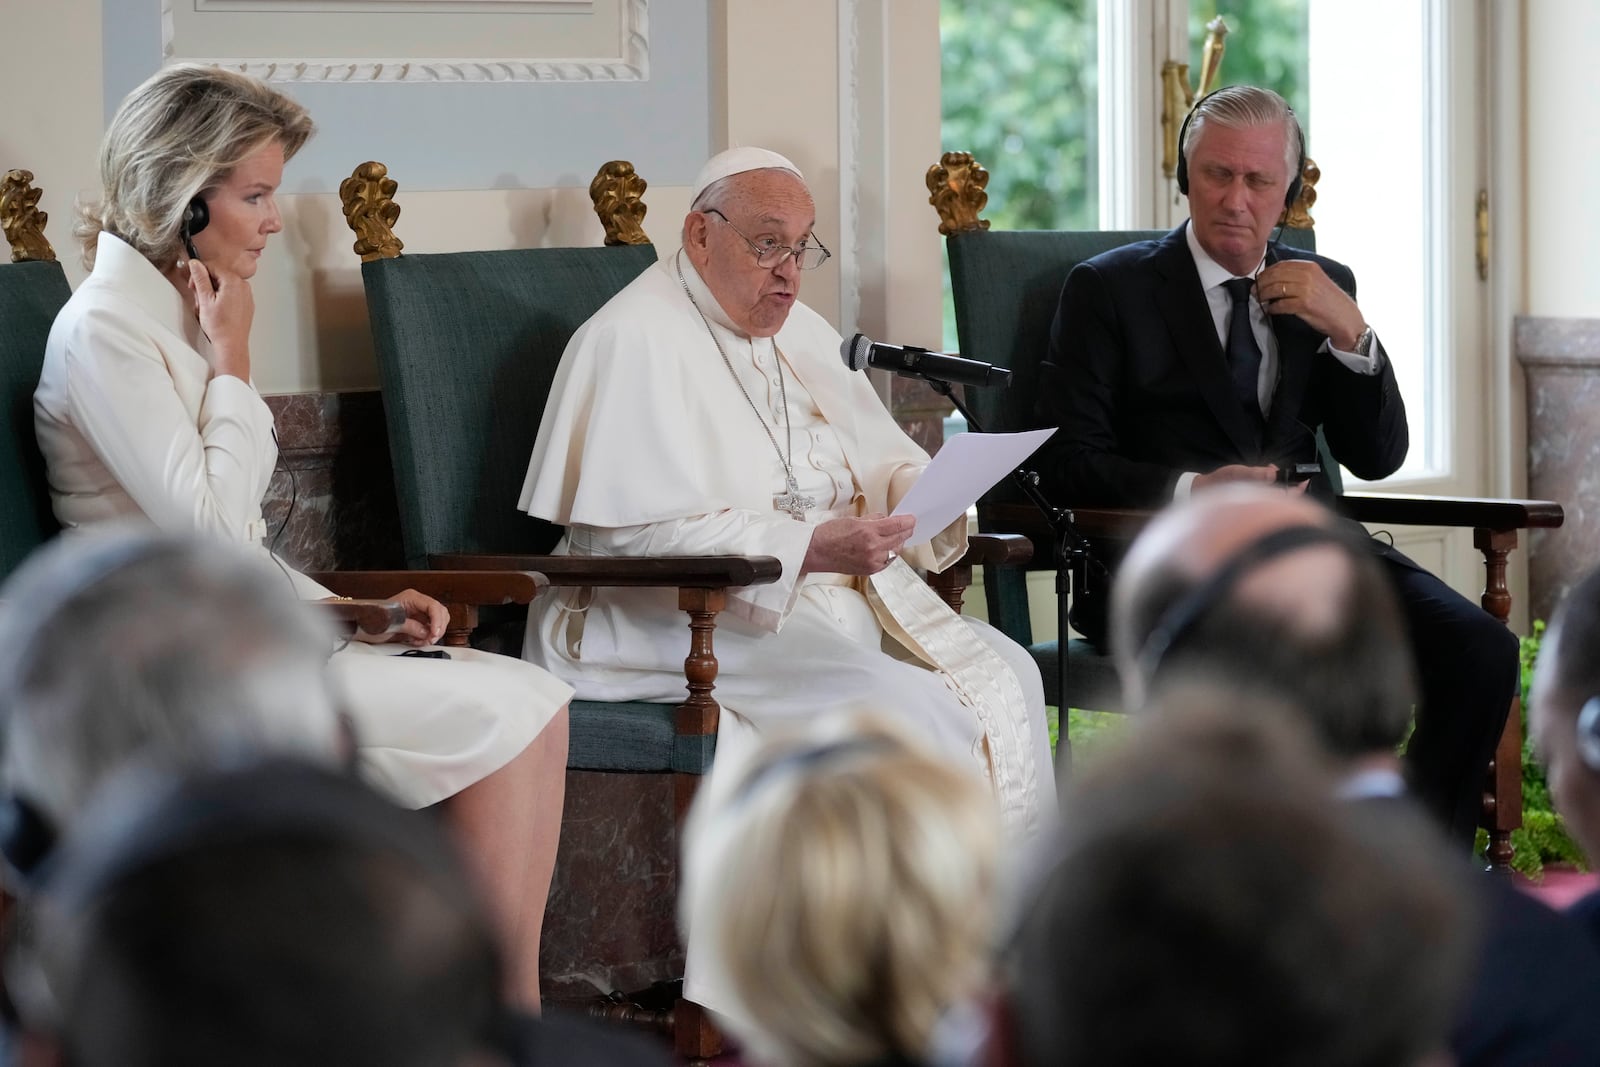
[{"x": 791, "y": 501}]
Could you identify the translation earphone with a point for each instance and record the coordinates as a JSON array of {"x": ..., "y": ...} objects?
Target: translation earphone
[
  {"x": 195, "y": 218},
  {"x": 1295, "y": 180},
  {"x": 1589, "y": 733}
]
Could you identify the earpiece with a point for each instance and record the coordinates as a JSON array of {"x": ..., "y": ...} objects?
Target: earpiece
[
  {"x": 195, "y": 218},
  {"x": 26, "y": 837},
  {"x": 1589, "y": 733},
  {"x": 1295, "y": 180}
]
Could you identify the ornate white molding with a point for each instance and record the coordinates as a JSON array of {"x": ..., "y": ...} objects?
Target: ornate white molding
[{"x": 631, "y": 64}]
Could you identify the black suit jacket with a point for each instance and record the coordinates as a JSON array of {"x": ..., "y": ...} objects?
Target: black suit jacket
[{"x": 1137, "y": 381}]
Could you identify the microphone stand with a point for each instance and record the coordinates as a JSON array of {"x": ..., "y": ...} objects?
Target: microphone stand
[{"x": 1072, "y": 555}]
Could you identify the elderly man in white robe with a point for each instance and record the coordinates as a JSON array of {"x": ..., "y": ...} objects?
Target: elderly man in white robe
[{"x": 705, "y": 410}]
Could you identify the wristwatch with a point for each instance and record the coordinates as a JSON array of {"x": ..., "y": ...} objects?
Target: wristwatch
[{"x": 1363, "y": 345}]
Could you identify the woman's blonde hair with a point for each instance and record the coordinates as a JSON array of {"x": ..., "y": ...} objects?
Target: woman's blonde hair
[
  {"x": 844, "y": 890},
  {"x": 174, "y": 137}
]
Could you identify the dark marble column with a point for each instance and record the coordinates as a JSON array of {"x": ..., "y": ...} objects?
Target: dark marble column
[
  {"x": 1562, "y": 361},
  {"x": 331, "y": 503}
]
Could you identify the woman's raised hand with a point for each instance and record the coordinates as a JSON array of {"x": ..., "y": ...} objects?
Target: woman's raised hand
[{"x": 226, "y": 308}]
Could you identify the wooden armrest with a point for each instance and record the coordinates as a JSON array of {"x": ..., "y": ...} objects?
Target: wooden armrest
[
  {"x": 700, "y": 572},
  {"x": 986, "y": 549},
  {"x": 1116, "y": 524},
  {"x": 1474, "y": 512},
  {"x": 369, "y": 616},
  {"x": 474, "y": 587}
]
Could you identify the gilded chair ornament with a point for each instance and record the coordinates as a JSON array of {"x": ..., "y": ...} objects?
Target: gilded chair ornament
[
  {"x": 22, "y": 220},
  {"x": 956, "y": 191},
  {"x": 369, "y": 208},
  {"x": 1298, "y": 217},
  {"x": 618, "y": 195}
]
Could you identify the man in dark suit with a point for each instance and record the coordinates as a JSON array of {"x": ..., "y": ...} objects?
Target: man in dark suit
[
  {"x": 1212, "y": 356},
  {"x": 1269, "y": 596}
]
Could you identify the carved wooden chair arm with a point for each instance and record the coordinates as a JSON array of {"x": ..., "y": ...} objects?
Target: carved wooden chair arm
[
  {"x": 1463, "y": 511},
  {"x": 462, "y": 592},
  {"x": 698, "y": 572},
  {"x": 368, "y": 616},
  {"x": 1006, "y": 549}
]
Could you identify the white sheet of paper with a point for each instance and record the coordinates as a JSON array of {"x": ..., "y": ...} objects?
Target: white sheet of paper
[{"x": 963, "y": 470}]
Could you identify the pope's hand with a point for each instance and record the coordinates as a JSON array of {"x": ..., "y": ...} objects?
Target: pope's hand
[
  {"x": 425, "y": 623},
  {"x": 857, "y": 546}
]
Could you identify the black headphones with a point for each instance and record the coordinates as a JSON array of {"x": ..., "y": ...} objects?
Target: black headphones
[
  {"x": 1295, "y": 180},
  {"x": 195, "y": 218}
]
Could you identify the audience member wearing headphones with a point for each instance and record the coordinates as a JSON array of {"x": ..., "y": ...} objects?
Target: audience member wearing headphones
[
  {"x": 1205, "y": 905},
  {"x": 272, "y": 913},
  {"x": 1260, "y": 593},
  {"x": 145, "y": 408},
  {"x": 844, "y": 886},
  {"x": 199, "y": 653},
  {"x": 1215, "y": 354},
  {"x": 1565, "y": 721}
]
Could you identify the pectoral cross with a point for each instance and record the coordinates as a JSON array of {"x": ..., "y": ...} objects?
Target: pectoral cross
[{"x": 792, "y": 502}]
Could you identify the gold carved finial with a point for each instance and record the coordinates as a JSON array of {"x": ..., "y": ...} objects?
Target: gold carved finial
[
  {"x": 22, "y": 220},
  {"x": 1298, "y": 217},
  {"x": 956, "y": 191},
  {"x": 1211, "y": 55},
  {"x": 1177, "y": 98},
  {"x": 618, "y": 195},
  {"x": 369, "y": 208}
]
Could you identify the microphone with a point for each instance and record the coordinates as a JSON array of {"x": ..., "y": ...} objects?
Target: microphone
[{"x": 861, "y": 352}]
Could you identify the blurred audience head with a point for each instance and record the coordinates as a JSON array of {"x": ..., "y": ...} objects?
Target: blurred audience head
[
  {"x": 1565, "y": 711},
  {"x": 128, "y": 644},
  {"x": 1261, "y": 589},
  {"x": 844, "y": 886},
  {"x": 1206, "y": 904},
  {"x": 272, "y": 913}
]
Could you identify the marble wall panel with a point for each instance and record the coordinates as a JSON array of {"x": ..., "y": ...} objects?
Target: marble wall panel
[
  {"x": 1561, "y": 357},
  {"x": 331, "y": 502}
]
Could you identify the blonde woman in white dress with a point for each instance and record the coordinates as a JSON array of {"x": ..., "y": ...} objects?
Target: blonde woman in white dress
[{"x": 146, "y": 408}]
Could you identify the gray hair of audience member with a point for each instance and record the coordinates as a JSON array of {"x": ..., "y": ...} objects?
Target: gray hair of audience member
[
  {"x": 843, "y": 886},
  {"x": 1317, "y": 625},
  {"x": 174, "y": 137},
  {"x": 1208, "y": 904},
  {"x": 124, "y": 641},
  {"x": 1243, "y": 107},
  {"x": 1565, "y": 681},
  {"x": 264, "y": 914}
]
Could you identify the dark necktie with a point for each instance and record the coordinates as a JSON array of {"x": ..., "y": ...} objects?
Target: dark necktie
[{"x": 1244, "y": 355}]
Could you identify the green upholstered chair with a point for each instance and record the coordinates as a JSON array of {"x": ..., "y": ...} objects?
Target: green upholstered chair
[
  {"x": 33, "y": 287},
  {"x": 1006, "y": 286},
  {"x": 467, "y": 345}
]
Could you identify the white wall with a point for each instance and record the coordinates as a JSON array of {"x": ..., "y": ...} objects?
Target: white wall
[
  {"x": 1562, "y": 156},
  {"x": 311, "y": 329}
]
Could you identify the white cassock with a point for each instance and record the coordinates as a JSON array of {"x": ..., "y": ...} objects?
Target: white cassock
[
  {"x": 133, "y": 425},
  {"x": 649, "y": 448}
]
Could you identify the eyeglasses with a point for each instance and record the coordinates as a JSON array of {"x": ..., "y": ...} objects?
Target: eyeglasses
[{"x": 770, "y": 254}]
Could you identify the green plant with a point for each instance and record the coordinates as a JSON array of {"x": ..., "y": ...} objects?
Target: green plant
[{"x": 1543, "y": 838}]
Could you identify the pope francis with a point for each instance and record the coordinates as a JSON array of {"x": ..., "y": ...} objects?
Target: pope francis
[{"x": 705, "y": 410}]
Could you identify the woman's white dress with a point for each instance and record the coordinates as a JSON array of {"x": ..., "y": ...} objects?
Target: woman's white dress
[{"x": 131, "y": 424}]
